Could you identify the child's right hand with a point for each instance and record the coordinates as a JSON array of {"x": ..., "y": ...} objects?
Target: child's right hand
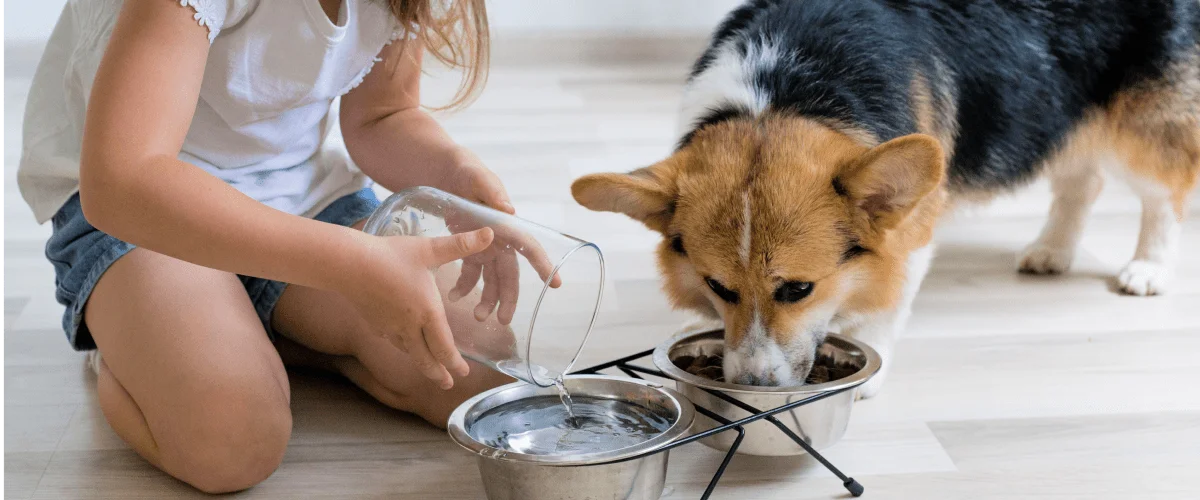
[{"x": 397, "y": 295}]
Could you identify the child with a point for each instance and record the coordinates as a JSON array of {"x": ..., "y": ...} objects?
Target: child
[{"x": 205, "y": 213}]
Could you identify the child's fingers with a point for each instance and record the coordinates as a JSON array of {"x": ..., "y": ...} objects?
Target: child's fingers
[
  {"x": 537, "y": 258},
  {"x": 467, "y": 278},
  {"x": 508, "y": 281},
  {"x": 445, "y": 249},
  {"x": 491, "y": 192},
  {"x": 490, "y": 295},
  {"x": 422, "y": 358},
  {"x": 440, "y": 342}
]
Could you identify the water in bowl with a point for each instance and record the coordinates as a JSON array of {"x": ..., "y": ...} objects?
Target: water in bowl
[
  {"x": 565, "y": 398},
  {"x": 542, "y": 426},
  {"x": 516, "y": 369}
]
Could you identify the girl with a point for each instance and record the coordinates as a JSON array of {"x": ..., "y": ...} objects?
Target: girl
[{"x": 205, "y": 212}]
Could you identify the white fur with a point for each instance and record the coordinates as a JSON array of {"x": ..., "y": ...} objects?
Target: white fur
[
  {"x": 1076, "y": 187},
  {"x": 881, "y": 330},
  {"x": 747, "y": 230},
  {"x": 1158, "y": 244},
  {"x": 759, "y": 355},
  {"x": 727, "y": 81},
  {"x": 1075, "y": 190}
]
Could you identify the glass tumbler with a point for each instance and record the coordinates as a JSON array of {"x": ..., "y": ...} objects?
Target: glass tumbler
[{"x": 525, "y": 305}]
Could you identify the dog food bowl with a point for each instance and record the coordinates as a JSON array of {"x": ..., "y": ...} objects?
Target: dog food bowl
[
  {"x": 595, "y": 475},
  {"x": 820, "y": 423}
]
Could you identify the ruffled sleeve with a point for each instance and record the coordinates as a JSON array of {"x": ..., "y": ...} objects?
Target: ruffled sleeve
[
  {"x": 398, "y": 32},
  {"x": 216, "y": 14},
  {"x": 407, "y": 32}
]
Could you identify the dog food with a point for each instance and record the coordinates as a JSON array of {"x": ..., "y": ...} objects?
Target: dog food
[{"x": 825, "y": 369}]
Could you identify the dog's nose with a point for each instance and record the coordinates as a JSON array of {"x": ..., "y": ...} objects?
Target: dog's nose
[{"x": 747, "y": 378}]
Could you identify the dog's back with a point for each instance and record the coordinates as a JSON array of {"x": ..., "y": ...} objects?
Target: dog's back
[
  {"x": 822, "y": 138},
  {"x": 1002, "y": 84}
]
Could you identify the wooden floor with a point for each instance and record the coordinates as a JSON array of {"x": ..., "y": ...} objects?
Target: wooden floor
[{"x": 1004, "y": 386}]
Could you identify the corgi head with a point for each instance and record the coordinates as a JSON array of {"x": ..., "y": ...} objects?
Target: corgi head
[{"x": 781, "y": 227}]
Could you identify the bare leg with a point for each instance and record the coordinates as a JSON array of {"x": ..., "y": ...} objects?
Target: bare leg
[
  {"x": 189, "y": 378},
  {"x": 327, "y": 323}
]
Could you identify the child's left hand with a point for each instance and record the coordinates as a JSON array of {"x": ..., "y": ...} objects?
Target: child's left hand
[
  {"x": 497, "y": 265},
  {"x": 469, "y": 179}
]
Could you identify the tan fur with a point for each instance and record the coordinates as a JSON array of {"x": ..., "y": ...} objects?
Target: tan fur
[
  {"x": 786, "y": 166},
  {"x": 1152, "y": 129},
  {"x": 1155, "y": 128},
  {"x": 776, "y": 174},
  {"x": 939, "y": 121}
]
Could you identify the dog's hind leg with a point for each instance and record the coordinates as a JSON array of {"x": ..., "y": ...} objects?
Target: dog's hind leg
[
  {"x": 1150, "y": 271},
  {"x": 1075, "y": 182},
  {"x": 1162, "y": 174},
  {"x": 1156, "y": 130}
]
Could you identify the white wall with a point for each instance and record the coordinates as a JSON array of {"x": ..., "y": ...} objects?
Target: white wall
[
  {"x": 34, "y": 19},
  {"x": 30, "y": 20},
  {"x": 607, "y": 16}
]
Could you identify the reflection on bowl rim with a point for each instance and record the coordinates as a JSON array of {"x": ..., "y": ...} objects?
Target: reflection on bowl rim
[
  {"x": 663, "y": 361},
  {"x": 457, "y": 425}
]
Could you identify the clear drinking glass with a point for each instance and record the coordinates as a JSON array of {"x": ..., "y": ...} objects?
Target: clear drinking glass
[{"x": 543, "y": 286}]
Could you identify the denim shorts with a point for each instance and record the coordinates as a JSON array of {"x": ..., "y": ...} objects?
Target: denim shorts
[{"x": 81, "y": 253}]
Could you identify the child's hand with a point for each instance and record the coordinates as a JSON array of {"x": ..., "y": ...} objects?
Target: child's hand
[
  {"x": 469, "y": 179},
  {"x": 396, "y": 294},
  {"x": 498, "y": 267}
]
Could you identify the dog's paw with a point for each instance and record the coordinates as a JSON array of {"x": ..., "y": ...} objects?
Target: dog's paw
[
  {"x": 869, "y": 389},
  {"x": 1039, "y": 258},
  {"x": 1144, "y": 277}
]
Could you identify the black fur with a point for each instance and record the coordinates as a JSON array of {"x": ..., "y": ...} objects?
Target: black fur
[
  {"x": 677, "y": 245},
  {"x": 1019, "y": 72},
  {"x": 717, "y": 115},
  {"x": 854, "y": 250}
]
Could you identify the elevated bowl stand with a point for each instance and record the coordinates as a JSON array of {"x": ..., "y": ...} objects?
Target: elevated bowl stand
[{"x": 625, "y": 365}]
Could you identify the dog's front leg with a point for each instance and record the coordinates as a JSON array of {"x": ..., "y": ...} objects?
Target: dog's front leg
[{"x": 880, "y": 330}]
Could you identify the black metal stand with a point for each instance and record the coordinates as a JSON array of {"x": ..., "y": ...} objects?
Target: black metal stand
[{"x": 737, "y": 426}]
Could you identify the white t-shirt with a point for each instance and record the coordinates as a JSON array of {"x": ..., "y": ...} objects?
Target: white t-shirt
[{"x": 263, "y": 123}]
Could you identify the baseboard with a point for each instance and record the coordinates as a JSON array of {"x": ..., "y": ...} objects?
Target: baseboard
[{"x": 598, "y": 48}]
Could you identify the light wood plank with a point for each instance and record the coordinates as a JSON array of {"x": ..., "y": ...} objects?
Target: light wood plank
[{"x": 1004, "y": 386}]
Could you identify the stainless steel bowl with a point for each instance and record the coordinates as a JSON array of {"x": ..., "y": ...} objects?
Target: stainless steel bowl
[
  {"x": 820, "y": 423},
  {"x": 605, "y": 475}
]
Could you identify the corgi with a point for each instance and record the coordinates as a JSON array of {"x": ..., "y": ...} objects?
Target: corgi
[{"x": 823, "y": 140}]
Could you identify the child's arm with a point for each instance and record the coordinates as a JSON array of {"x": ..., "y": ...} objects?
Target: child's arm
[
  {"x": 133, "y": 187},
  {"x": 399, "y": 145}
]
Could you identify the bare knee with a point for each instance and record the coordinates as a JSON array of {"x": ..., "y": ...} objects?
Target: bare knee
[{"x": 236, "y": 446}]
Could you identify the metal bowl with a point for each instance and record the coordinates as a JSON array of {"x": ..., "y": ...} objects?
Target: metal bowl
[
  {"x": 602, "y": 475},
  {"x": 820, "y": 423}
]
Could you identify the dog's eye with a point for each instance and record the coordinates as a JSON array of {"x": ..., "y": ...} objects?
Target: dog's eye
[
  {"x": 793, "y": 291},
  {"x": 725, "y": 294},
  {"x": 677, "y": 245}
]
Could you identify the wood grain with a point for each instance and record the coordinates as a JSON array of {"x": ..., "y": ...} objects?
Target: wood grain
[{"x": 1004, "y": 386}]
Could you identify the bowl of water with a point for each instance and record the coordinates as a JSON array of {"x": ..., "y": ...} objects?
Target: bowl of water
[
  {"x": 531, "y": 444},
  {"x": 819, "y": 423}
]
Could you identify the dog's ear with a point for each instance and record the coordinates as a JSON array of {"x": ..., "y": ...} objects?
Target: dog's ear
[
  {"x": 647, "y": 194},
  {"x": 887, "y": 181}
]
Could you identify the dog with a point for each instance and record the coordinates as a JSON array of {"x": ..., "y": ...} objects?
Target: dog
[{"x": 823, "y": 140}]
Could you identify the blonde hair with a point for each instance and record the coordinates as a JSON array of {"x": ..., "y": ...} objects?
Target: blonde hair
[{"x": 455, "y": 32}]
